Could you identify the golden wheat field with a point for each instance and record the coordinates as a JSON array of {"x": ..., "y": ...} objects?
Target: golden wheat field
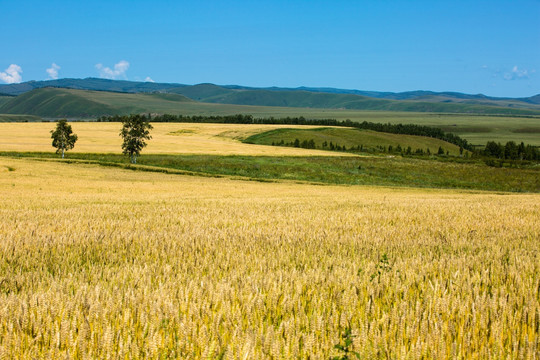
[
  {"x": 104, "y": 263},
  {"x": 167, "y": 138}
]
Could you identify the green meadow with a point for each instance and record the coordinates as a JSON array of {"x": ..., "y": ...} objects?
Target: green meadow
[{"x": 418, "y": 172}]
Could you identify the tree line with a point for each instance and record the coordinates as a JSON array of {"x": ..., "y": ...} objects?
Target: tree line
[
  {"x": 511, "y": 151},
  {"x": 325, "y": 145}
]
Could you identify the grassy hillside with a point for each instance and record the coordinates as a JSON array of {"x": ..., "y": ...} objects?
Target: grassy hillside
[
  {"x": 202, "y": 92},
  {"x": 259, "y": 97},
  {"x": 421, "y": 101},
  {"x": 205, "y": 92},
  {"x": 52, "y": 102},
  {"x": 369, "y": 140},
  {"x": 4, "y": 99}
]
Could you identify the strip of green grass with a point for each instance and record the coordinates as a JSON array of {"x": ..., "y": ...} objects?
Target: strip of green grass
[{"x": 382, "y": 171}]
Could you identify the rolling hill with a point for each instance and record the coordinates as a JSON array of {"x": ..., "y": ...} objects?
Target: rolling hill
[
  {"x": 53, "y": 102},
  {"x": 4, "y": 99},
  {"x": 307, "y": 99},
  {"x": 73, "y": 103},
  {"x": 88, "y": 84},
  {"x": 423, "y": 101},
  {"x": 351, "y": 138}
]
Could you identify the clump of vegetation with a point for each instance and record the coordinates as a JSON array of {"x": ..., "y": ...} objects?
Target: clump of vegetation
[
  {"x": 511, "y": 151},
  {"x": 135, "y": 131},
  {"x": 63, "y": 137},
  {"x": 345, "y": 346}
]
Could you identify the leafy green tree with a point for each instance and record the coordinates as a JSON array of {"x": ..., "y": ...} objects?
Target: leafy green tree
[
  {"x": 493, "y": 149},
  {"x": 521, "y": 150},
  {"x": 511, "y": 150},
  {"x": 135, "y": 130},
  {"x": 63, "y": 137}
]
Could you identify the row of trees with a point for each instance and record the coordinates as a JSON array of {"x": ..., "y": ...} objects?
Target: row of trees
[
  {"x": 511, "y": 151},
  {"x": 311, "y": 144},
  {"x": 135, "y": 131},
  {"x": 404, "y": 129}
]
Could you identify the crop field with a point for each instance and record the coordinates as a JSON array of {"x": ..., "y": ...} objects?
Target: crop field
[
  {"x": 109, "y": 263},
  {"x": 220, "y": 150},
  {"x": 167, "y": 138}
]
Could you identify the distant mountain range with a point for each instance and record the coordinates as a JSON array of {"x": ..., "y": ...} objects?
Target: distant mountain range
[{"x": 33, "y": 98}]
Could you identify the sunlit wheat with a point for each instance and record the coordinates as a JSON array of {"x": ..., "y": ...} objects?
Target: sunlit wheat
[{"x": 108, "y": 263}]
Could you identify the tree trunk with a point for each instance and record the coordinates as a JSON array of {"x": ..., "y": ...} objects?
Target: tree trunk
[{"x": 62, "y": 153}]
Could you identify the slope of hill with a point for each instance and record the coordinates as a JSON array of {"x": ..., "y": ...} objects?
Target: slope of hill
[
  {"x": 357, "y": 102},
  {"x": 4, "y": 99},
  {"x": 532, "y": 100},
  {"x": 202, "y": 92},
  {"x": 52, "y": 102},
  {"x": 297, "y": 97}
]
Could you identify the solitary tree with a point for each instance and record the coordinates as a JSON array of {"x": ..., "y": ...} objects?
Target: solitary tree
[
  {"x": 63, "y": 137},
  {"x": 135, "y": 130}
]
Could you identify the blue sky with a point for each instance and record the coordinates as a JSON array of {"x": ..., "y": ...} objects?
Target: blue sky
[{"x": 490, "y": 47}]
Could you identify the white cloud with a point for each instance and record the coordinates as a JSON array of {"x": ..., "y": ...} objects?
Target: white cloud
[
  {"x": 119, "y": 70},
  {"x": 516, "y": 74},
  {"x": 12, "y": 74},
  {"x": 53, "y": 71},
  {"x": 149, "y": 79}
]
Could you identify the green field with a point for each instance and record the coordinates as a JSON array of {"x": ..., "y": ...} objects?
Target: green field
[
  {"x": 446, "y": 173},
  {"x": 352, "y": 138}
]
